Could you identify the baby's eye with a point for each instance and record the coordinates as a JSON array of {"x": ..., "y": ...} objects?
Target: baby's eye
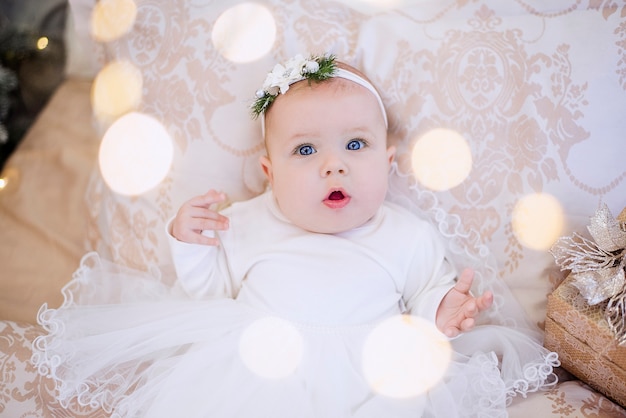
[
  {"x": 305, "y": 150},
  {"x": 355, "y": 144}
]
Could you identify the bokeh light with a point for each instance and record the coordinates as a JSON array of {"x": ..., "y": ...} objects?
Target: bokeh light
[
  {"x": 116, "y": 90},
  {"x": 9, "y": 179},
  {"x": 404, "y": 356},
  {"x": 244, "y": 33},
  {"x": 42, "y": 43},
  {"x": 537, "y": 221},
  {"x": 271, "y": 348},
  {"x": 135, "y": 154},
  {"x": 111, "y": 19},
  {"x": 441, "y": 159}
]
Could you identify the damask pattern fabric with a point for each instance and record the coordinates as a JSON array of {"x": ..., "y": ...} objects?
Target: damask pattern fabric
[
  {"x": 537, "y": 89},
  {"x": 512, "y": 77},
  {"x": 23, "y": 391}
]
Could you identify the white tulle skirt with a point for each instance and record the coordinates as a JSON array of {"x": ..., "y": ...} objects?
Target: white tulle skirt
[{"x": 127, "y": 343}]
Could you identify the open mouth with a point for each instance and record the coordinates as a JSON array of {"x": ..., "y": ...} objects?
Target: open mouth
[
  {"x": 336, "y": 195},
  {"x": 337, "y": 199}
]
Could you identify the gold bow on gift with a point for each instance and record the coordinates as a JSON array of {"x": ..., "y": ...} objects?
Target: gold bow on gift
[{"x": 598, "y": 266}]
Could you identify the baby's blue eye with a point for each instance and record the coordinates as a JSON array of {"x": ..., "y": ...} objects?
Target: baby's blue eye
[
  {"x": 355, "y": 144},
  {"x": 305, "y": 150}
]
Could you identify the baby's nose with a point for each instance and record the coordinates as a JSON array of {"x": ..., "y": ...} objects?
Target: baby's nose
[{"x": 333, "y": 165}]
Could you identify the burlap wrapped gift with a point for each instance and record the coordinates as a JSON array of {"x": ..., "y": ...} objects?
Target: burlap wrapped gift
[{"x": 581, "y": 336}]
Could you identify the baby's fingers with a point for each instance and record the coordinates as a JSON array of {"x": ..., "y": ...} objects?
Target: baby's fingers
[
  {"x": 199, "y": 238},
  {"x": 208, "y": 199},
  {"x": 192, "y": 230},
  {"x": 470, "y": 309},
  {"x": 485, "y": 301},
  {"x": 201, "y": 219},
  {"x": 198, "y": 215},
  {"x": 465, "y": 280},
  {"x": 451, "y": 332},
  {"x": 209, "y": 222},
  {"x": 467, "y": 324}
]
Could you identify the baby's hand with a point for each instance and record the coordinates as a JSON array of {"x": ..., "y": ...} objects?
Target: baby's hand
[
  {"x": 197, "y": 215},
  {"x": 459, "y": 308}
]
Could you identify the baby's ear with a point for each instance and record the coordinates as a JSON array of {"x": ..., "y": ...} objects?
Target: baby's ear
[{"x": 266, "y": 165}]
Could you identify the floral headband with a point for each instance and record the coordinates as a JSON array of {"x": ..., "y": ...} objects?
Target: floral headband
[{"x": 298, "y": 68}]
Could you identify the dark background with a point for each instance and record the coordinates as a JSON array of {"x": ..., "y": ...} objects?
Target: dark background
[{"x": 28, "y": 75}]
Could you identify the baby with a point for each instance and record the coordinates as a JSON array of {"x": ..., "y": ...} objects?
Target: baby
[
  {"x": 328, "y": 164},
  {"x": 321, "y": 256}
]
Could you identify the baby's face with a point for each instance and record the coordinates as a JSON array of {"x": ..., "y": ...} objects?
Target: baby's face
[{"x": 328, "y": 160}]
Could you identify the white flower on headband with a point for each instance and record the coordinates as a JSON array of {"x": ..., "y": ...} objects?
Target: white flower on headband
[
  {"x": 293, "y": 71},
  {"x": 283, "y": 75}
]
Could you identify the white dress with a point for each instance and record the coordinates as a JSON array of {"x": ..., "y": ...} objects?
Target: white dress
[{"x": 279, "y": 322}]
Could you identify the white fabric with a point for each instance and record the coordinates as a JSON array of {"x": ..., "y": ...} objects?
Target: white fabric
[
  {"x": 268, "y": 263},
  {"x": 126, "y": 342}
]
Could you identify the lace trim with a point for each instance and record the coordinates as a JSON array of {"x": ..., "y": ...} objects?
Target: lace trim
[
  {"x": 466, "y": 250},
  {"x": 464, "y": 246},
  {"x": 111, "y": 388},
  {"x": 487, "y": 387},
  {"x": 108, "y": 389},
  {"x": 537, "y": 376}
]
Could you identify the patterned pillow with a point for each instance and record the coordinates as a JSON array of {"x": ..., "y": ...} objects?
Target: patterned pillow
[
  {"x": 537, "y": 104},
  {"x": 202, "y": 99}
]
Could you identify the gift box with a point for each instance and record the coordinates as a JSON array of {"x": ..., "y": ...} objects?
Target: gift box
[{"x": 587, "y": 347}]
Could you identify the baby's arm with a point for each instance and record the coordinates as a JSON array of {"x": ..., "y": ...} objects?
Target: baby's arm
[
  {"x": 458, "y": 309},
  {"x": 197, "y": 215},
  {"x": 199, "y": 263}
]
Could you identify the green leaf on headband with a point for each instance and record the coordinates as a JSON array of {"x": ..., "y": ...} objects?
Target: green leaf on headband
[{"x": 315, "y": 68}]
